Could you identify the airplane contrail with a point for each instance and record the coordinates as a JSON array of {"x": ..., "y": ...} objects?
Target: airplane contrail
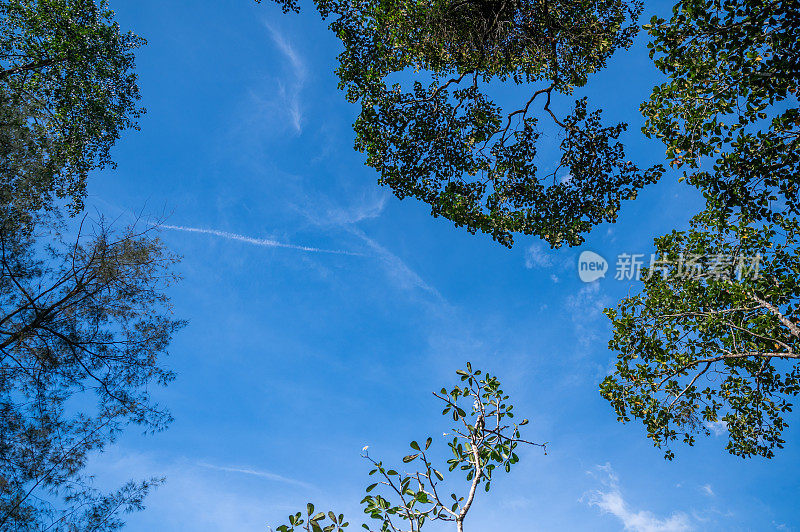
[
  {"x": 256, "y": 473},
  {"x": 256, "y": 241}
]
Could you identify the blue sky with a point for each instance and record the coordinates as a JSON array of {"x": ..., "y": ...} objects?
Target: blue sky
[{"x": 323, "y": 311}]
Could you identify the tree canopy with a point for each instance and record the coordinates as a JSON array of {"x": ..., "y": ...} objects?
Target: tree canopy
[
  {"x": 422, "y": 75},
  {"x": 712, "y": 340},
  {"x": 84, "y": 319},
  {"x": 697, "y": 350},
  {"x": 78, "y": 319},
  {"x": 727, "y": 112},
  {"x": 67, "y": 90},
  {"x": 733, "y": 71}
]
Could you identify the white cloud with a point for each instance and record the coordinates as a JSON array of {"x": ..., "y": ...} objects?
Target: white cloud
[
  {"x": 641, "y": 521},
  {"x": 398, "y": 270},
  {"x": 290, "y": 88},
  {"x": 196, "y": 498},
  {"x": 288, "y": 52},
  {"x": 609, "y": 472},
  {"x": 292, "y": 100},
  {"x": 707, "y": 490},
  {"x": 610, "y": 500},
  {"x": 368, "y": 208},
  {"x": 588, "y": 302},
  {"x": 586, "y": 307},
  {"x": 717, "y": 427},
  {"x": 371, "y": 206},
  {"x": 321, "y": 211},
  {"x": 537, "y": 256}
]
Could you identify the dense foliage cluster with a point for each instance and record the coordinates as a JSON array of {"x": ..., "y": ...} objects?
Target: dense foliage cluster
[
  {"x": 717, "y": 352},
  {"x": 731, "y": 100},
  {"x": 715, "y": 343},
  {"x": 67, "y": 90},
  {"x": 77, "y": 319},
  {"x": 422, "y": 73},
  {"x": 84, "y": 321}
]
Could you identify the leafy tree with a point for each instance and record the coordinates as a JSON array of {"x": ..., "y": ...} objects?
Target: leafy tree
[
  {"x": 722, "y": 349},
  {"x": 67, "y": 90},
  {"x": 734, "y": 69},
  {"x": 484, "y": 439},
  {"x": 315, "y": 521},
  {"x": 422, "y": 72},
  {"x": 713, "y": 337},
  {"x": 728, "y": 114},
  {"x": 84, "y": 319},
  {"x": 77, "y": 319}
]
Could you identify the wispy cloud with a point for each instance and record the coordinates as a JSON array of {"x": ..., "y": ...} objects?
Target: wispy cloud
[
  {"x": 610, "y": 500},
  {"x": 588, "y": 302},
  {"x": 288, "y": 51},
  {"x": 717, "y": 427},
  {"x": 586, "y": 307},
  {"x": 194, "y": 497},
  {"x": 539, "y": 257},
  {"x": 256, "y": 473},
  {"x": 289, "y": 89},
  {"x": 536, "y": 256},
  {"x": 371, "y": 206},
  {"x": 255, "y": 241},
  {"x": 397, "y": 269}
]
